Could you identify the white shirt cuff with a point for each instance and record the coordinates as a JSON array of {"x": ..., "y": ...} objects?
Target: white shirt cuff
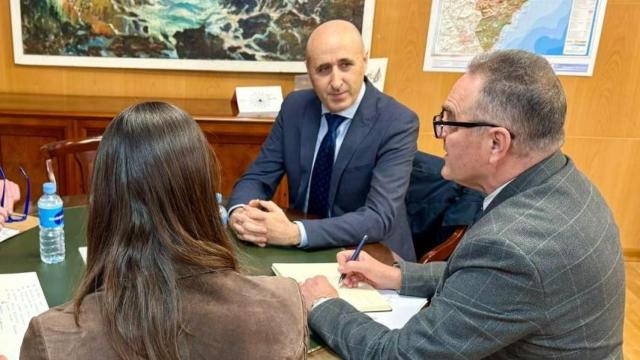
[
  {"x": 319, "y": 301},
  {"x": 235, "y": 207},
  {"x": 304, "y": 242}
]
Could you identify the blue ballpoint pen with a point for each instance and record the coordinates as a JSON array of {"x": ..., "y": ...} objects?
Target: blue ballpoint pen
[{"x": 354, "y": 256}]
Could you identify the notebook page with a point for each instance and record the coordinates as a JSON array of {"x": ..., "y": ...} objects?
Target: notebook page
[
  {"x": 21, "y": 298},
  {"x": 364, "y": 298}
]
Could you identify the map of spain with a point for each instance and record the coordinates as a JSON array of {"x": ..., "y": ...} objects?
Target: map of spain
[
  {"x": 496, "y": 14},
  {"x": 471, "y": 26},
  {"x": 564, "y": 31}
]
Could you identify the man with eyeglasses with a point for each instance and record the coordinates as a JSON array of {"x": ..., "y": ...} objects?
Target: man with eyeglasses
[
  {"x": 540, "y": 275},
  {"x": 11, "y": 193}
]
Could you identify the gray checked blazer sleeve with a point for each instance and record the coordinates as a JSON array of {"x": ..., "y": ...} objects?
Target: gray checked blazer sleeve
[{"x": 449, "y": 328}]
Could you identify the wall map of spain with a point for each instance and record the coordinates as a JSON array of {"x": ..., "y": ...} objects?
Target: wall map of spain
[{"x": 565, "y": 31}]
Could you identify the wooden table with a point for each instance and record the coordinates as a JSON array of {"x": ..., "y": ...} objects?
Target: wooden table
[{"x": 58, "y": 281}]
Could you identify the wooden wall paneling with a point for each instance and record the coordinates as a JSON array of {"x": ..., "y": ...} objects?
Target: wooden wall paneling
[
  {"x": 631, "y": 334},
  {"x": 93, "y": 127},
  {"x": 611, "y": 164},
  {"x": 606, "y": 104},
  {"x": 20, "y": 141},
  {"x": 235, "y": 154},
  {"x": 236, "y": 145}
]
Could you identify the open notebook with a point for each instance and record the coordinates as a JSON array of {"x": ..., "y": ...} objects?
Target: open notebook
[{"x": 364, "y": 298}]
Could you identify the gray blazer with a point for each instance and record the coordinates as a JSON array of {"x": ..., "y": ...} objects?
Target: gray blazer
[
  {"x": 539, "y": 276},
  {"x": 370, "y": 176}
]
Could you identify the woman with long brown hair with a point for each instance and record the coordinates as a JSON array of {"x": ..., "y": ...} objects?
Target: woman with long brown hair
[{"x": 162, "y": 279}]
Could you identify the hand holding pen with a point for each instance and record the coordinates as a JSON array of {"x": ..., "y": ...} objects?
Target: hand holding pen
[
  {"x": 366, "y": 269},
  {"x": 354, "y": 256}
]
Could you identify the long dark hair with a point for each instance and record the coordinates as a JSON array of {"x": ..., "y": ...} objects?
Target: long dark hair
[{"x": 152, "y": 208}]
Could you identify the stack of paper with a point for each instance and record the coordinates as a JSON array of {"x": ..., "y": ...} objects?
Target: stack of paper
[
  {"x": 364, "y": 298},
  {"x": 21, "y": 298}
]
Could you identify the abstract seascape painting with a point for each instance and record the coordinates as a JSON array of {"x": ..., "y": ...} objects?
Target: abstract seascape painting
[{"x": 219, "y": 35}]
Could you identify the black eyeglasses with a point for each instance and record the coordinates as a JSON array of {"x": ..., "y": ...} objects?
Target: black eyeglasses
[
  {"x": 439, "y": 124},
  {"x": 17, "y": 217}
]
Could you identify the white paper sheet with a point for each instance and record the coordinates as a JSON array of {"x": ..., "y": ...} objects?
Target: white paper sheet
[
  {"x": 21, "y": 298},
  {"x": 6, "y": 233},
  {"x": 83, "y": 253},
  {"x": 403, "y": 309}
]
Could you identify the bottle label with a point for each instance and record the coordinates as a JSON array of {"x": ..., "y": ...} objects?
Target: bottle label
[{"x": 51, "y": 218}]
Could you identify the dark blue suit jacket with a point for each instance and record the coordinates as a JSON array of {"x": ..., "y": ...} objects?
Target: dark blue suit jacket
[
  {"x": 370, "y": 175},
  {"x": 436, "y": 207}
]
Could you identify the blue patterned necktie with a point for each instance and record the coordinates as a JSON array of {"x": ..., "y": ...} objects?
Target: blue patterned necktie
[{"x": 323, "y": 167}]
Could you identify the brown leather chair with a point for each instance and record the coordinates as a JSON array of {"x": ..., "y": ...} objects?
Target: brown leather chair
[
  {"x": 445, "y": 249},
  {"x": 83, "y": 151}
]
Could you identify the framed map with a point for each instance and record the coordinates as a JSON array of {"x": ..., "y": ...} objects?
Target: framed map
[
  {"x": 566, "y": 32},
  {"x": 222, "y": 35}
]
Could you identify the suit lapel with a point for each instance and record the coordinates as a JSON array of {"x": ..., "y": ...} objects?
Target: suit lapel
[
  {"x": 360, "y": 127},
  {"x": 310, "y": 125},
  {"x": 533, "y": 176}
]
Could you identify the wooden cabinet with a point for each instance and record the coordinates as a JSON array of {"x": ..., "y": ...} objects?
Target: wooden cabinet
[{"x": 29, "y": 121}]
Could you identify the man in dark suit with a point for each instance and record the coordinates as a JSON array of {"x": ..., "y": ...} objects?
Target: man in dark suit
[
  {"x": 539, "y": 276},
  {"x": 346, "y": 149}
]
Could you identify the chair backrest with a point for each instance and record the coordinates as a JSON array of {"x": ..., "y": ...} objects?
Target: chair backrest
[
  {"x": 437, "y": 208},
  {"x": 445, "y": 249},
  {"x": 83, "y": 151}
]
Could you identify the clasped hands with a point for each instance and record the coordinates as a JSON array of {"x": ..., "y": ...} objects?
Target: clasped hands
[
  {"x": 366, "y": 269},
  {"x": 263, "y": 222}
]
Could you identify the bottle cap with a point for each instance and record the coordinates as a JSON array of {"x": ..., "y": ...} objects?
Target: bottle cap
[{"x": 49, "y": 188}]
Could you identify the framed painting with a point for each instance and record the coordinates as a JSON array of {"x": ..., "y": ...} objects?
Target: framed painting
[{"x": 218, "y": 35}]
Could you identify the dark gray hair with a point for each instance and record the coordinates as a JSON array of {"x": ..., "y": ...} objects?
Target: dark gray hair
[{"x": 522, "y": 93}]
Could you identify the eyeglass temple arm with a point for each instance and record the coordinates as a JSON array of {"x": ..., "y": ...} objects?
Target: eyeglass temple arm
[
  {"x": 27, "y": 198},
  {"x": 4, "y": 186}
]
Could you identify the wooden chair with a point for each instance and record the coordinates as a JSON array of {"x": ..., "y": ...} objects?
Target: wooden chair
[
  {"x": 83, "y": 151},
  {"x": 445, "y": 249}
]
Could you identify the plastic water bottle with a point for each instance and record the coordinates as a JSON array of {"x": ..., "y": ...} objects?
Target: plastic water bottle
[
  {"x": 50, "y": 211},
  {"x": 224, "y": 215}
]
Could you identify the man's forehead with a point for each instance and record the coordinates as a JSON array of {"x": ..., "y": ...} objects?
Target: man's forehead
[
  {"x": 463, "y": 94},
  {"x": 330, "y": 60},
  {"x": 336, "y": 44}
]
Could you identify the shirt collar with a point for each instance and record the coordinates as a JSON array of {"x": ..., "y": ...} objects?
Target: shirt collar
[
  {"x": 489, "y": 198},
  {"x": 351, "y": 110}
]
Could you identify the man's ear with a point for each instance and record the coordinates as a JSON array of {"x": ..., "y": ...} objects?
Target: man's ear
[{"x": 500, "y": 143}]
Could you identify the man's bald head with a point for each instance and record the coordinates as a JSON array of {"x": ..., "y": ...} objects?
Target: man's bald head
[
  {"x": 336, "y": 61},
  {"x": 335, "y": 30}
]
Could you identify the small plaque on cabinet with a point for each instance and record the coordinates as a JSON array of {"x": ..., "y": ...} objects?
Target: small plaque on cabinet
[{"x": 258, "y": 101}]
